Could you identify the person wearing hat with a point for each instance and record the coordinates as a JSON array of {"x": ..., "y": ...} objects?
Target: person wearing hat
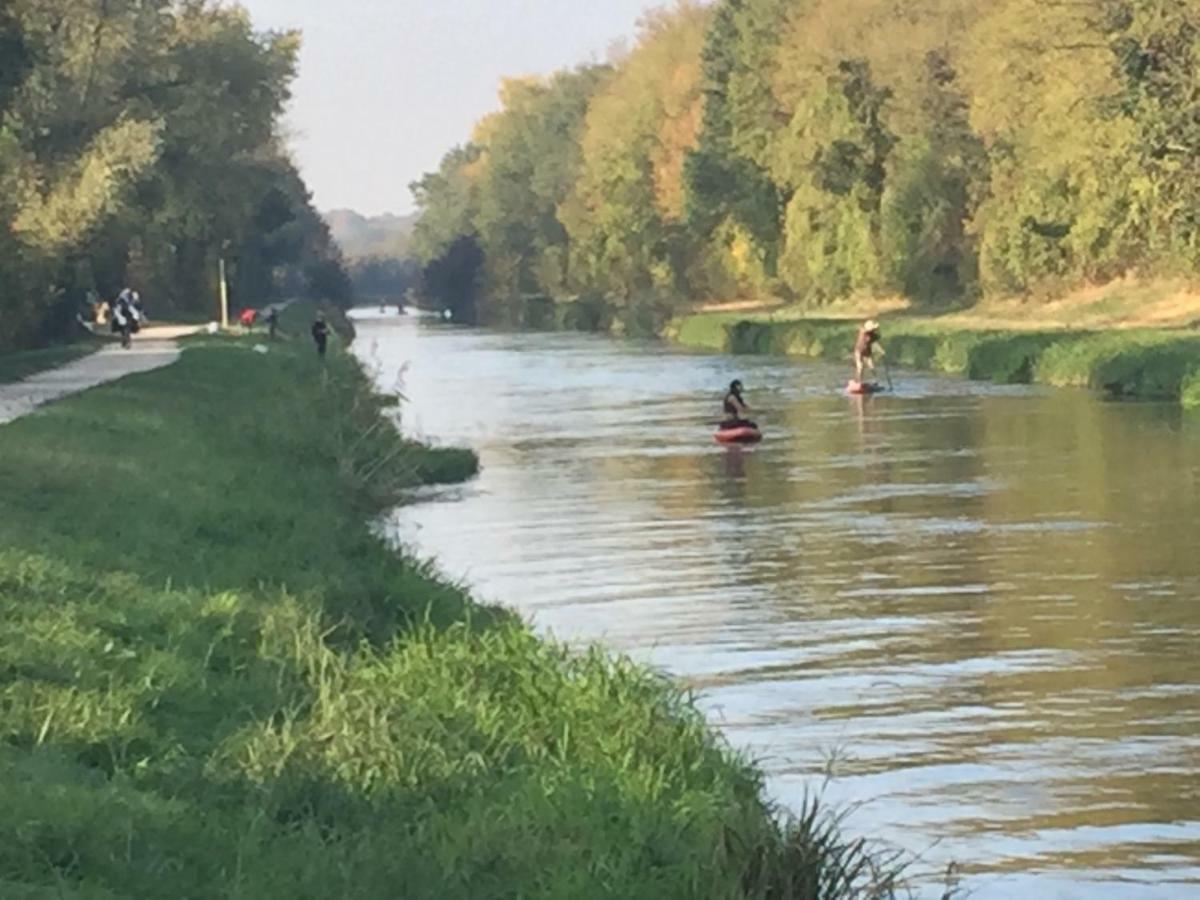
[{"x": 865, "y": 347}]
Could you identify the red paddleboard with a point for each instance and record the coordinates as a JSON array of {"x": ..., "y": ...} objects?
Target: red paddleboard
[
  {"x": 860, "y": 388},
  {"x": 738, "y": 436}
]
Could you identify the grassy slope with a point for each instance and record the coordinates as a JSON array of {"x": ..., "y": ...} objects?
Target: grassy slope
[
  {"x": 215, "y": 683},
  {"x": 21, "y": 364}
]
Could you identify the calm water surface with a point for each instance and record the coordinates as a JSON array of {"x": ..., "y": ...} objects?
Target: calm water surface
[{"x": 979, "y": 607}]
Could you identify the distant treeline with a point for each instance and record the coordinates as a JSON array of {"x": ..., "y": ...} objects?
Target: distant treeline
[
  {"x": 378, "y": 253},
  {"x": 138, "y": 145},
  {"x": 384, "y": 277},
  {"x": 815, "y": 149}
]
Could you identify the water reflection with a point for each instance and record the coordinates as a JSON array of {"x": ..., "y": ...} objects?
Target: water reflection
[{"x": 983, "y": 601}]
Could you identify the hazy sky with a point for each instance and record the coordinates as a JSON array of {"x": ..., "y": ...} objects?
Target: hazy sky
[{"x": 387, "y": 86}]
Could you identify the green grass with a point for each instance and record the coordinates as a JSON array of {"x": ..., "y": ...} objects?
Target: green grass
[
  {"x": 297, "y": 318},
  {"x": 1190, "y": 390},
  {"x": 704, "y": 331},
  {"x": 215, "y": 682},
  {"x": 21, "y": 364},
  {"x": 1160, "y": 364},
  {"x": 1130, "y": 364}
]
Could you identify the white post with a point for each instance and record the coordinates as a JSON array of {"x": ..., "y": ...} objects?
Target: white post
[{"x": 224, "y": 287}]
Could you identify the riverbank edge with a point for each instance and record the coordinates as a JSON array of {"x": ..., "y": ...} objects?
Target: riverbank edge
[
  {"x": 294, "y": 694},
  {"x": 1135, "y": 363},
  {"x": 1143, "y": 364}
]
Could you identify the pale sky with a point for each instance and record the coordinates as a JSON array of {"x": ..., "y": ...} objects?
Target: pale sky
[{"x": 386, "y": 87}]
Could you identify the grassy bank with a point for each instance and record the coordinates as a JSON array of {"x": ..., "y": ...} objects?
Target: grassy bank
[
  {"x": 214, "y": 682},
  {"x": 1146, "y": 363},
  {"x": 21, "y": 364}
]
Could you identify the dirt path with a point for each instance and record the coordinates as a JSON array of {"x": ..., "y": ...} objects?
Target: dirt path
[{"x": 154, "y": 348}]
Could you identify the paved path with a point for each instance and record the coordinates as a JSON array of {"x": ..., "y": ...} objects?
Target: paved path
[{"x": 154, "y": 348}]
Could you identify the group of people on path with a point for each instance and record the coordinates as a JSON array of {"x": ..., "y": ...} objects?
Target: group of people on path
[
  {"x": 866, "y": 346},
  {"x": 126, "y": 315}
]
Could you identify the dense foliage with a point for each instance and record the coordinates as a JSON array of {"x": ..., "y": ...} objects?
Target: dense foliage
[
  {"x": 816, "y": 149},
  {"x": 138, "y": 144}
]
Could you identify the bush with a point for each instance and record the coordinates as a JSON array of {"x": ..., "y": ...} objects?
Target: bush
[{"x": 590, "y": 313}]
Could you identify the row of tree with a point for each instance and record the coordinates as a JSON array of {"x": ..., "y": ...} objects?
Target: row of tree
[
  {"x": 139, "y": 143},
  {"x": 816, "y": 149},
  {"x": 378, "y": 253}
]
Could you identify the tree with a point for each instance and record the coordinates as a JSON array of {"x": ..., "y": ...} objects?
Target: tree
[
  {"x": 942, "y": 149},
  {"x": 731, "y": 193},
  {"x": 837, "y": 150},
  {"x": 533, "y": 158},
  {"x": 625, "y": 216},
  {"x": 452, "y": 280},
  {"x": 937, "y": 176},
  {"x": 139, "y": 139},
  {"x": 448, "y": 200}
]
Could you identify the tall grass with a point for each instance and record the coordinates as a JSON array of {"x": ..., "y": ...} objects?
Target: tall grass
[{"x": 214, "y": 682}]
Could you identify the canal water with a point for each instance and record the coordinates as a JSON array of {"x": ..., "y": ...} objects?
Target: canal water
[{"x": 969, "y": 614}]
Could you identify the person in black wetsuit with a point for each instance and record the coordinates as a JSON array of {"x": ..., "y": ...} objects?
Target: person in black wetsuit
[
  {"x": 320, "y": 333},
  {"x": 736, "y": 409}
]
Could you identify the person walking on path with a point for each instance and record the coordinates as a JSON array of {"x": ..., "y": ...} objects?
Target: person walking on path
[
  {"x": 123, "y": 317},
  {"x": 320, "y": 333},
  {"x": 272, "y": 322}
]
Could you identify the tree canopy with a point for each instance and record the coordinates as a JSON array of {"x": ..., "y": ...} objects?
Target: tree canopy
[
  {"x": 139, "y": 142},
  {"x": 815, "y": 149}
]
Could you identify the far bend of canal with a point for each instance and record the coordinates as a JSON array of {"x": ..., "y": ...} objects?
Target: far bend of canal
[{"x": 979, "y": 606}]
